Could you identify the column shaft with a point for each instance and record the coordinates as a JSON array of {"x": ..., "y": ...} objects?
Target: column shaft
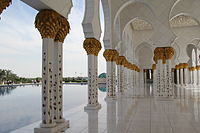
[
  {"x": 92, "y": 81},
  {"x": 57, "y": 81},
  {"x": 47, "y": 83},
  {"x": 110, "y": 79}
]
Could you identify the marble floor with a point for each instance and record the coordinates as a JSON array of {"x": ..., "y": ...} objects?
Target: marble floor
[{"x": 134, "y": 115}]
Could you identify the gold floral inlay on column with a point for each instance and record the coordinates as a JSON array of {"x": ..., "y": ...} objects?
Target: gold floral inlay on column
[
  {"x": 177, "y": 67},
  {"x": 47, "y": 22},
  {"x": 197, "y": 67},
  {"x": 154, "y": 66},
  {"x": 120, "y": 60},
  {"x": 92, "y": 46},
  {"x": 163, "y": 53},
  {"x": 169, "y": 52},
  {"x": 110, "y": 55},
  {"x": 185, "y": 65},
  {"x": 4, "y": 4},
  {"x": 63, "y": 31}
]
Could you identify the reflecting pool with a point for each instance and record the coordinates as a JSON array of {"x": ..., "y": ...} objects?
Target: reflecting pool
[{"x": 20, "y": 106}]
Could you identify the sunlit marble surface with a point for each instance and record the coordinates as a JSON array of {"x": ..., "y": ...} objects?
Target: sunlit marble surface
[{"x": 134, "y": 115}]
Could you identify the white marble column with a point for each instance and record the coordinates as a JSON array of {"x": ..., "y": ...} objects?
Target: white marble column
[
  {"x": 92, "y": 47},
  {"x": 58, "y": 71},
  {"x": 154, "y": 78},
  {"x": 181, "y": 75},
  {"x": 134, "y": 82},
  {"x": 48, "y": 36},
  {"x": 121, "y": 81},
  {"x": 159, "y": 80},
  {"x": 110, "y": 79},
  {"x": 57, "y": 81},
  {"x": 111, "y": 56},
  {"x": 177, "y": 75},
  {"x": 47, "y": 83},
  {"x": 164, "y": 80},
  {"x": 169, "y": 88},
  {"x": 145, "y": 77},
  {"x": 198, "y": 75}
]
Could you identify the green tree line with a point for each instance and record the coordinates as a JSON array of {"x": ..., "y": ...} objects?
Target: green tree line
[{"x": 8, "y": 77}]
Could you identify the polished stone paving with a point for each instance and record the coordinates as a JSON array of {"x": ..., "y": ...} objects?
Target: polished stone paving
[{"x": 134, "y": 115}]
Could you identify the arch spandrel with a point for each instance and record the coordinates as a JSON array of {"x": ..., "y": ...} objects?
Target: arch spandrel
[{"x": 186, "y": 7}]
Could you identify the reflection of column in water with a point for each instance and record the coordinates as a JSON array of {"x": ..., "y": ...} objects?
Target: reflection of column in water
[
  {"x": 92, "y": 121},
  {"x": 120, "y": 120},
  {"x": 111, "y": 116},
  {"x": 196, "y": 111}
]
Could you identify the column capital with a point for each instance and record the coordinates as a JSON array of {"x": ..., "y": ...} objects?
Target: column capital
[
  {"x": 181, "y": 66},
  {"x": 63, "y": 31},
  {"x": 192, "y": 68},
  {"x": 159, "y": 53},
  {"x": 110, "y": 55},
  {"x": 47, "y": 23},
  {"x": 4, "y": 4},
  {"x": 154, "y": 66},
  {"x": 92, "y": 46},
  {"x": 169, "y": 52},
  {"x": 197, "y": 67},
  {"x": 185, "y": 65},
  {"x": 120, "y": 60},
  {"x": 177, "y": 67}
]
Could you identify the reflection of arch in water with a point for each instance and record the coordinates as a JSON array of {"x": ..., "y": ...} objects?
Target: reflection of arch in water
[{"x": 6, "y": 90}]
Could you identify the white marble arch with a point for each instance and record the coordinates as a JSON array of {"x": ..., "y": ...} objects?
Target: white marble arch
[
  {"x": 148, "y": 49},
  {"x": 187, "y": 7},
  {"x": 162, "y": 31},
  {"x": 184, "y": 35},
  {"x": 146, "y": 15},
  {"x": 91, "y": 21}
]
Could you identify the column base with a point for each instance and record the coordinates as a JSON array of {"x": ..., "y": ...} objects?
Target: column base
[
  {"x": 110, "y": 98},
  {"x": 164, "y": 98},
  {"x": 91, "y": 107},
  {"x": 61, "y": 127}
]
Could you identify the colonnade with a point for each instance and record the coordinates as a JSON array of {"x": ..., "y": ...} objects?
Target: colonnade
[
  {"x": 163, "y": 77},
  {"x": 187, "y": 76},
  {"x": 127, "y": 75}
]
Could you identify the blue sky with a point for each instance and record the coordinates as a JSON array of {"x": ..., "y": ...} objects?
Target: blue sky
[{"x": 21, "y": 44}]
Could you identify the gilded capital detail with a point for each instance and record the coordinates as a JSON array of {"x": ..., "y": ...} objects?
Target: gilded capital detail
[
  {"x": 110, "y": 55},
  {"x": 163, "y": 53},
  {"x": 154, "y": 66},
  {"x": 4, "y": 4},
  {"x": 63, "y": 31},
  {"x": 120, "y": 60},
  {"x": 92, "y": 46},
  {"x": 47, "y": 22}
]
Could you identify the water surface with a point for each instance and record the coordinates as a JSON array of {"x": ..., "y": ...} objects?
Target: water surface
[{"x": 21, "y": 105}]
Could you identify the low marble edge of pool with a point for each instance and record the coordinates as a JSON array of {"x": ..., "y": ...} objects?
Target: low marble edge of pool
[{"x": 30, "y": 128}]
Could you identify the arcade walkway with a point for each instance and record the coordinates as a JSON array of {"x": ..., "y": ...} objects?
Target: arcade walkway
[{"x": 134, "y": 115}]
